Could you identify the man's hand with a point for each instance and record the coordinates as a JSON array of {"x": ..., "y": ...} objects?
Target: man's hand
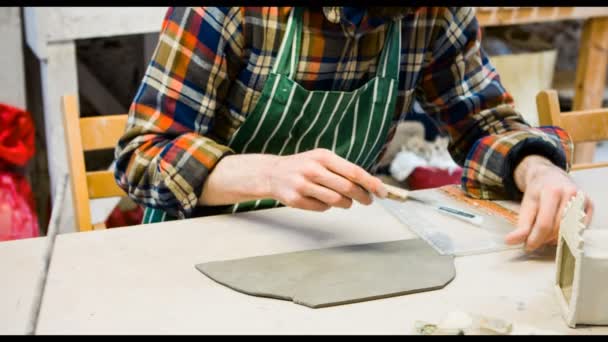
[
  {"x": 313, "y": 180},
  {"x": 547, "y": 189},
  {"x": 320, "y": 179}
]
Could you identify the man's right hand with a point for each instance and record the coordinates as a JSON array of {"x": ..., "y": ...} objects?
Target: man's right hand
[
  {"x": 312, "y": 180},
  {"x": 320, "y": 179}
]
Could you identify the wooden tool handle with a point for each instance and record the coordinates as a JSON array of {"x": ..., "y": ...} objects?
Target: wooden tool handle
[{"x": 396, "y": 193}]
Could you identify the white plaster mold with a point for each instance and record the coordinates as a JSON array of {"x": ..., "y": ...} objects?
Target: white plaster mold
[{"x": 581, "y": 278}]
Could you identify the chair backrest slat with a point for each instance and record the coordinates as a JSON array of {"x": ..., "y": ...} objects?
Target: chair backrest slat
[
  {"x": 582, "y": 125},
  {"x": 101, "y": 184},
  {"x": 88, "y": 134},
  {"x": 102, "y": 132},
  {"x": 588, "y": 125}
]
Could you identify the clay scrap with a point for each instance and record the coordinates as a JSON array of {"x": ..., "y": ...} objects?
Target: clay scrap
[
  {"x": 338, "y": 275},
  {"x": 463, "y": 323}
]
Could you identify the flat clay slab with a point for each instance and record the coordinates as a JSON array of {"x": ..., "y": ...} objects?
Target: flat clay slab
[{"x": 338, "y": 275}]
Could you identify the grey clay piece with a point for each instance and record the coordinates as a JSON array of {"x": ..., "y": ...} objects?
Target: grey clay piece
[{"x": 337, "y": 275}]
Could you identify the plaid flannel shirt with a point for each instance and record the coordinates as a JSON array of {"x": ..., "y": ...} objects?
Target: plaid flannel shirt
[{"x": 210, "y": 65}]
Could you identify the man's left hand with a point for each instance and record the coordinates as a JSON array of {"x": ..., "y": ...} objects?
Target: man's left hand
[{"x": 547, "y": 189}]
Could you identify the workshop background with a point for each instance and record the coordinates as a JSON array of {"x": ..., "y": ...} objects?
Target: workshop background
[{"x": 100, "y": 54}]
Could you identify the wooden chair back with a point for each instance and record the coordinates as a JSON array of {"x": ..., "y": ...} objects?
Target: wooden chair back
[
  {"x": 89, "y": 134},
  {"x": 581, "y": 125}
]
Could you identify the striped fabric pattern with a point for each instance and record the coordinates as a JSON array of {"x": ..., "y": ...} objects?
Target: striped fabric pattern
[
  {"x": 211, "y": 63},
  {"x": 284, "y": 103}
]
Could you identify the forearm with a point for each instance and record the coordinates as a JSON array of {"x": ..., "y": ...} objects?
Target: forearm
[
  {"x": 528, "y": 169},
  {"x": 314, "y": 180},
  {"x": 238, "y": 178},
  {"x": 163, "y": 172},
  {"x": 489, "y": 137},
  {"x": 495, "y": 166}
]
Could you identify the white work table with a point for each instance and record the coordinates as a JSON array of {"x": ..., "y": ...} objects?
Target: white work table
[
  {"x": 142, "y": 279},
  {"x": 21, "y": 268}
]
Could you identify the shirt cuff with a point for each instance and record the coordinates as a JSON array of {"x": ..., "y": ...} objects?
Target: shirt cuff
[
  {"x": 488, "y": 171},
  {"x": 190, "y": 172},
  {"x": 527, "y": 147}
]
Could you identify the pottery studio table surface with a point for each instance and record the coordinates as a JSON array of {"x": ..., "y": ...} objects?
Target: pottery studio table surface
[
  {"x": 142, "y": 279},
  {"x": 21, "y": 271}
]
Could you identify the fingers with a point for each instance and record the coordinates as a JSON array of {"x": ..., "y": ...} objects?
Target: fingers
[
  {"x": 568, "y": 193},
  {"x": 302, "y": 191},
  {"x": 351, "y": 172},
  {"x": 296, "y": 199},
  {"x": 538, "y": 221},
  {"x": 320, "y": 179},
  {"x": 546, "y": 219},
  {"x": 339, "y": 184},
  {"x": 311, "y": 204},
  {"x": 527, "y": 215},
  {"x": 327, "y": 196},
  {"x": 588, "y": 211}
]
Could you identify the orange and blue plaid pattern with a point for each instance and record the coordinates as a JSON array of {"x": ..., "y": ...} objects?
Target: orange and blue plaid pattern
[{"x": 211, "y": 63}]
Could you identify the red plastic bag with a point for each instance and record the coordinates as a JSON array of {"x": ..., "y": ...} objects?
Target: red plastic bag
[
  {"x": 16, "y": 136},
  {"x": 18, "y": 219},
  {"x": 424, "y": 177},
  {"x": 122, "y": 218}
]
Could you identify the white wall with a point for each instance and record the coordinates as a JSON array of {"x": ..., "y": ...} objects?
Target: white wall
[{"x": 12, "y": 86}]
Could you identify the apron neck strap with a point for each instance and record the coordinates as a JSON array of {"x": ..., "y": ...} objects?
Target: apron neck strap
[
  {"x": 390, "y": 58},
  {"x": 289, "y": 52}
]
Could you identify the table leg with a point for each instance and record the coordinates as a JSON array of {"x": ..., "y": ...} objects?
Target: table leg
[
  {"x": 59, "y": 77},
  {"x": 590, "y": 77}
]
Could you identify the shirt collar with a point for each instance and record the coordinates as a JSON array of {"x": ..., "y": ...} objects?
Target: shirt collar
[{"x": 351, "y": 18}]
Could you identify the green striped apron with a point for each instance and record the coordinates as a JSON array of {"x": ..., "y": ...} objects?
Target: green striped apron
[{"x": 289, "y": 119}]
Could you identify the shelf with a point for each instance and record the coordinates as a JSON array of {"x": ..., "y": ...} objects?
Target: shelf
[{"x": 501, "y": 16}]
